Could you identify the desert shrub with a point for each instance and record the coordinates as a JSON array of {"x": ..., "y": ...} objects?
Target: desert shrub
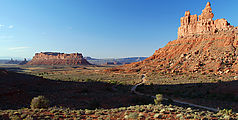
[
  {"x": 158, "y": 99},
  {"x": 23, "y": 116},
  {"x": 133, "y": 115},
  {"x": 226, "y": 111},
  {"x": 141, "y": 115},
  {"x": 40, "y": 102},
  {"x": 87, "y": 112},
  {"x": 112, "y": 82},
  {"x": 88, "y": 80},
  {"x": 15, "y": 117}
]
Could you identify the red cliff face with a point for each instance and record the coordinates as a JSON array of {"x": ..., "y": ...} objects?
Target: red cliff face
[
  {"x": 52, "y": 58},
  {"x": 204, "y": 45}
]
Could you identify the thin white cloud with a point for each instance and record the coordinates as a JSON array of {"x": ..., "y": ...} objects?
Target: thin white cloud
[
  {"x": 11, "y": 26},
  {"x": 1, "y": 25},
  {"x": 4, "y": 27},
  {"x": 18, "y": 48}
]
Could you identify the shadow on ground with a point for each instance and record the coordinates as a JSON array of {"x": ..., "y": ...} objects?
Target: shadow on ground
[
  {"x": 14, "y": 69},
  {"x": 17, "y": 91},
  {"x": 217, "y": 95}
]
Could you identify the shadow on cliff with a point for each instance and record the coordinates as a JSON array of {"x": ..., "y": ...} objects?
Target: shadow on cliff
[{"x": 17, "y": 91}]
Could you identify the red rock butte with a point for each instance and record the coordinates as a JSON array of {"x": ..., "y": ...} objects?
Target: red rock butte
[
  {"x": 54, "y": 58},
  {"x": 193, "y": 24},
  {"x": 203, "y": 45}
]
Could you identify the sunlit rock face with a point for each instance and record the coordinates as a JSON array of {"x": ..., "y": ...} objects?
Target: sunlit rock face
[
  {"x": 203, "y": 45},
  {"x": 193, "y": 24},
  {"x": 53, "y": 58}
]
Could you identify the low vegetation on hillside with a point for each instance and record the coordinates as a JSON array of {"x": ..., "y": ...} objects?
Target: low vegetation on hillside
[{"x": 138, "y": 112}]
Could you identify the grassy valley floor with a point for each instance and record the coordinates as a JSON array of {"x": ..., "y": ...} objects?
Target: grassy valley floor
[{"x": 85, "y": 92}]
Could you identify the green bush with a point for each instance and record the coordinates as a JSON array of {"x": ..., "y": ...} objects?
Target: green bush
[
  {"x": 88, "y": 80},
  {"x": 158, "y": 99},
  {"x": 40, "y": 102},
  {"x": 133, "y": 115},
  {"x": 226, "y": 111},
  {"x": 15, "y": 117}
]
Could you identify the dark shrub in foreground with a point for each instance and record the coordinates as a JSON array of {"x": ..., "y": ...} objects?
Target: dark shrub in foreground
[
  {"x": 158, "y": 99},
  {"x": 40, "y": 102}
]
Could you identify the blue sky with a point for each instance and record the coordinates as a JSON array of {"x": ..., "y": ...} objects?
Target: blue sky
[{"x": 97, "y": 28}]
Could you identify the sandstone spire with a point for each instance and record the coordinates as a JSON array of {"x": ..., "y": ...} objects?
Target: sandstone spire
[
  {"x": 191, "y": 25},
  {"x": 206, "y": 13},
  {"x": 187, "y": 13}
]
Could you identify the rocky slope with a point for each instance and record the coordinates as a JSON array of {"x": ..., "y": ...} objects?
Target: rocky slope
[
  {"x": 52, "y": 58},
  {"x": 203, "y": 45}
]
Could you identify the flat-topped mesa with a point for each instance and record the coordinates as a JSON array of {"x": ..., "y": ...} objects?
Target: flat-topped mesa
[
  {"x": 55, "y": 55},
  {"x": 193, "y": 24},
  {"x": 55, "y": 58}
]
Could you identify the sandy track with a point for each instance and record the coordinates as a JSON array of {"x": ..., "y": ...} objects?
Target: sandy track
[{"x": 133, "y": 90}]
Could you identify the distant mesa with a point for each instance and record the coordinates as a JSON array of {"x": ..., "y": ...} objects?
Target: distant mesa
[
  {"x": 203, "y": 46},
  {"x": 23, "y": 62},
  {"x": 12, "y": 61},
  {"x": 55, "y": 58},
  {"x": 114, "y": 61}
]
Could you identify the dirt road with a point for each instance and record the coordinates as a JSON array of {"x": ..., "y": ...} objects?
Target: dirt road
[{"x": 133, "y": 90}]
